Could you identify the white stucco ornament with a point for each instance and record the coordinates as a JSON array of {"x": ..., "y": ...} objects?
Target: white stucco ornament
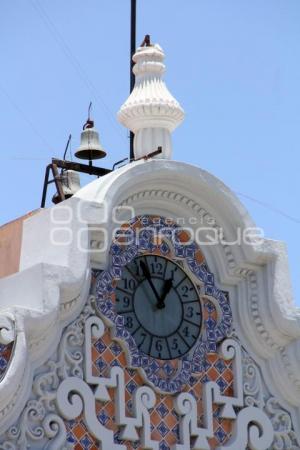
[
  {"x": 151, "y": 112},
  {"x": 44, "y": 309}
]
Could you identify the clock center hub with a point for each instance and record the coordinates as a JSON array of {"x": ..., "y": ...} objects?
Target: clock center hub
[{"x": 160, "y": 320}]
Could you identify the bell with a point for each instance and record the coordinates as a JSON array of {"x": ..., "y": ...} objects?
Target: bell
[
  {"x": 90, "y": 147},
  {"x": 70, "y": 181}
]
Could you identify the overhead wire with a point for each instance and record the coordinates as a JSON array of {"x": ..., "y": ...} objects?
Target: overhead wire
[
  {"x": 44, "y": 141},
  {"x": 75, "y": 63},
  {"x": 270, "y": 207},
  {"x": 90, "y": 85},
  {"x": 27, "y": 120}
]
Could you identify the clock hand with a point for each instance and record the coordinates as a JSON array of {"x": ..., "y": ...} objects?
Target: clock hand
[
  {"x": 147, "y": 274},
  {"x": 166, "y": 290}
]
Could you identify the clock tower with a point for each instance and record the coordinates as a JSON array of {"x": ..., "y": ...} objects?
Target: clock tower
[{"x": 147, "y": 311}]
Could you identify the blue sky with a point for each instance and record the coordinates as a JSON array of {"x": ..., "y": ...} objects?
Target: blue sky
[{"x": 233, "y": 64}]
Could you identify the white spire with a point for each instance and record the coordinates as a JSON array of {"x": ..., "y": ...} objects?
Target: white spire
[{"x": 150, "y": 111}]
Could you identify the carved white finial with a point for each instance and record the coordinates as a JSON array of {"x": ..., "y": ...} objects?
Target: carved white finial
[{"x": 150, "y": 112}]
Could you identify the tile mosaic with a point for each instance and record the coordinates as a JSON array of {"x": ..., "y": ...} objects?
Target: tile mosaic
[
  {"x": 5, "y": 356},
  {"x": 107, "y": 353},
  {"x": 164, "y": 418}
]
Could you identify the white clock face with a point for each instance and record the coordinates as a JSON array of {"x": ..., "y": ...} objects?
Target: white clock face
[{"x": 160, "y": 305}]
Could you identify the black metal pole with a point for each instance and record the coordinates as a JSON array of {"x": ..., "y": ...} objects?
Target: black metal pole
[
  {"x": 46, "y": 182},
  {"x": 132, "y": 51}
]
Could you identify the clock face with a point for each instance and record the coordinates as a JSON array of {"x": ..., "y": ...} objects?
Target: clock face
[{"x": 160, "y": 305}]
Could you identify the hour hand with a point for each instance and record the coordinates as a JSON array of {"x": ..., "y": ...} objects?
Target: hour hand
[{"x": 166, "y": 289}]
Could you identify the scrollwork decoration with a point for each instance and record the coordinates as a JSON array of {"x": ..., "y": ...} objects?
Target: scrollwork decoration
[
  {"x": 256, "y": 394},
  {"x": 39, "y": 425},
  {"x": 284, "y": 436},
  {"x": 7, "y": 330},
  {"x": 252, "y": 383}
]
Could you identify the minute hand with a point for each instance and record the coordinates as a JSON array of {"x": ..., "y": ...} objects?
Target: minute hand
[{"x": 148, "y": 277}]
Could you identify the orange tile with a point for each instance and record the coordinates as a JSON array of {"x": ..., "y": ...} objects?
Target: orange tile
[
  {"x": 155, "y": 435},
  {"x": 78, "y": 447},
  {"x": 197, "y": 388},
  {"x": 78, "y": 431},
  {"x": 171, "y": 440},
  {"x": 199, "y": 257},
  {"x": 106, "y": 339},
  {"x": 184, "y": 236},
  {"x": 110, "y": 409},
  {"x": 127, "y": 395},
  {"x": 95, "y": 354},
  {"x": 122, "y": 359},
  {"x": 227, "y": 375},
  {"x": 136, "y": 225},
  {"x": 213, "y": 374},
  {"x": 229, "y": 391},
  {"x": 168, "y": 401},
  {"x": 157, "y": 240},
  {"x": 155, "y": 418},
  {"x": 227, "y": 425},
  {"x": 213, "y": 443},
  {"x": 138, "y": 379},
  {"x": 108, "y": 356},
  {"x": 212, "y": 358},
  {"x": 170, "y": 420}
]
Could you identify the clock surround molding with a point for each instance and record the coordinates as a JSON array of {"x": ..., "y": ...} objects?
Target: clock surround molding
[{"x": 214, "y": 330}]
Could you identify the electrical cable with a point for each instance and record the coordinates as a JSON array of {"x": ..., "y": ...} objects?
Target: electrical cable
[
  {"x": 27, "y": 120},
  {"x": 269, "y": 207},
  {"x": 75, "y": 62},
  {"x": 89, "y": 84}
]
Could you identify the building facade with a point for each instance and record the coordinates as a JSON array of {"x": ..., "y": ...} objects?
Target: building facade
[{"x": 147, "y": 311}]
